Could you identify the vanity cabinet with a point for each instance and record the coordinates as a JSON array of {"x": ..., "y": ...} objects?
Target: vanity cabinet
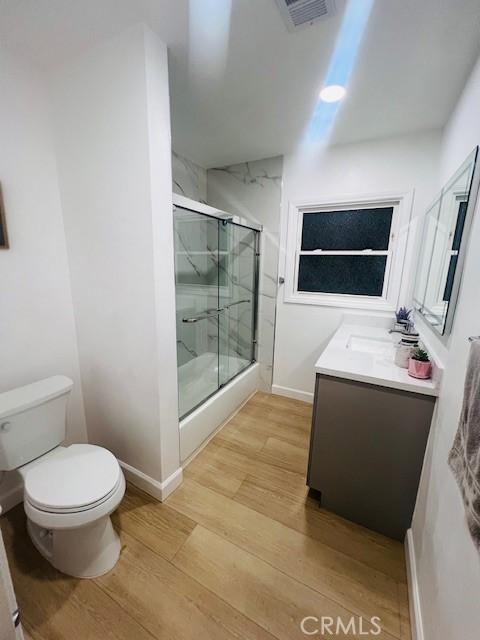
[{"x": 366, "y": 451}]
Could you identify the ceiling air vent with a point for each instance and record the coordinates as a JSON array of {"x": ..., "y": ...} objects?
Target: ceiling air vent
[{"x": 302, "y": 13}]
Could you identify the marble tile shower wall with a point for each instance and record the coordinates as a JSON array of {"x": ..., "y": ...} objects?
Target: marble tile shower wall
[
  {"x": 253, "y": 190},
  {"x": 188, "y": 178}
]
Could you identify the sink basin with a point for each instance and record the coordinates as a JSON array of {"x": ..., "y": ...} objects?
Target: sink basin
[
  {"x": 366, "y": 353},
  {"x": 365, "y": 344}
]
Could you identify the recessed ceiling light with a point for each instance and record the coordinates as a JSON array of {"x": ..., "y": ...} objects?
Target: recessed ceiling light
[{"x": 332, "y": 93}]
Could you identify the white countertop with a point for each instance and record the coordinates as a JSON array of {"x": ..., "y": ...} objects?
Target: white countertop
[{"x": 366, "y": 354}]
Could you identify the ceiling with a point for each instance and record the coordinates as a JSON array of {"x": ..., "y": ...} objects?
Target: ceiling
[{"x": 413, "y": 62}]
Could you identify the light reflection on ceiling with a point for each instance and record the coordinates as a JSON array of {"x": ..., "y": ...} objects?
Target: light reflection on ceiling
[
  {"x": 340, "y": 69},
  {"x": 209, "y": 31}
]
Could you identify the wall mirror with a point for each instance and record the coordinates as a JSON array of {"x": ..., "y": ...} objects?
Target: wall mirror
[{"x": 443, "y": 246}]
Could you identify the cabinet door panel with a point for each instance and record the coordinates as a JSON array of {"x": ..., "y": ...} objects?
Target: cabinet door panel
[{"x": 367, "y": 450}]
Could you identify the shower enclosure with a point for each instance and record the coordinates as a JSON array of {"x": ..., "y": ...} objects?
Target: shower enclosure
[{"x": 216, "y": 273}]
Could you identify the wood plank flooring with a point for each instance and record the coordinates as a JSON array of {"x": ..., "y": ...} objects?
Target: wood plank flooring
[{"x": 238, "y": 551}]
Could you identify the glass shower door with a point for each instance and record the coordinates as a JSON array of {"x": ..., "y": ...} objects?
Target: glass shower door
[
  {"x": 238, "y": 300},
  {"x": 196, "y": 280},
  {"x": 216, "y": 301}
]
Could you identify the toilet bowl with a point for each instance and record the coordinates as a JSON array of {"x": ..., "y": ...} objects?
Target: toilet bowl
[
  {"x": 69, "y": 495},
  {"x": 69, "y": 492}
]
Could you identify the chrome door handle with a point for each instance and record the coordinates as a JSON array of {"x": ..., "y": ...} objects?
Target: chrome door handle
[
  {"x": 209, "y": 313},
  {"x": 232, "y": 304}
]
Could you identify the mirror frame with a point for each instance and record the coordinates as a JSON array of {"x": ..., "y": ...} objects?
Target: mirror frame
[{"x": 462, "y": 253}]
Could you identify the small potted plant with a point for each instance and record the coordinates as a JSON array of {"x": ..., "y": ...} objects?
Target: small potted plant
[
  {"x": 402, "y": 318},
  {"x": 419, "y": 365}
]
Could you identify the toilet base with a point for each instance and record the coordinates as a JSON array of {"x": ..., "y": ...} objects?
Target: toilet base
[{"x": 85, "y": 552}]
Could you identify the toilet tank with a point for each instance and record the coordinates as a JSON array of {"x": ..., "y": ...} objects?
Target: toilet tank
[{"x": 32, "y": 420}]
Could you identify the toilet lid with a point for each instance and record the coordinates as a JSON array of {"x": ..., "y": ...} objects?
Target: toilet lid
[{"x": 80, "y": 475}]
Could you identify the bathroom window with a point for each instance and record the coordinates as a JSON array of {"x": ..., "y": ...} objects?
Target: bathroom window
[{"x": 346, "y": 253}]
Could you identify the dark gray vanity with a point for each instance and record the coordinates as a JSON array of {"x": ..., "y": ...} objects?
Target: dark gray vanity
[
  {"x": 370, "y": 427},
  {"x": 366, "y": 451}
]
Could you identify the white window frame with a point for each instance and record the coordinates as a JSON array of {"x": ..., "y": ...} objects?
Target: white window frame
[{"x": 401, "y": 218}]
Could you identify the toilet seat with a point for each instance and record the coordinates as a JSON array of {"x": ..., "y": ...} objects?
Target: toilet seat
[
  {"x": 78, "y": 478},
  {"x": 78, "y": 509},
  {"x": 76, "y": 519}
]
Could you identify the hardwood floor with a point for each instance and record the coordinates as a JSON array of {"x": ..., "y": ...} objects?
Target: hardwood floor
[{"x": 238, "y": 551}]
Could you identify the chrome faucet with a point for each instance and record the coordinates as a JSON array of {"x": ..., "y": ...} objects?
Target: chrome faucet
[{"x": 409, "y": 327}]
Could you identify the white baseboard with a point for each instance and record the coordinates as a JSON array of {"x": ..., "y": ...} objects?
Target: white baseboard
[
  {"x": 154, "y": 488},
  {"x": 413, "y": 589},
  {"x": 296, "y": 394}
]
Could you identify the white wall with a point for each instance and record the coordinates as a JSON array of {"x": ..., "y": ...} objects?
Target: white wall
[
  {"x": 112, "y": 131},
  {"x": 37, "y": 331},
  {"x": 159, "y": 149},
  {"x": 448, "y": 564},
  {"x": 393, "y": 165}
]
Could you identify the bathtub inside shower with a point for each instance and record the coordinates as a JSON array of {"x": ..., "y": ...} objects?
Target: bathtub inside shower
[{"x": 216, "y": 280}]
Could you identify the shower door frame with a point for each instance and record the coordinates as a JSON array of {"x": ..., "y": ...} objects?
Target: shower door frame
[{"x": 211, "y": 212}]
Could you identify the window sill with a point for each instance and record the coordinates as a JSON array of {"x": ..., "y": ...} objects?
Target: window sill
[{"x": 341, "y": 302}]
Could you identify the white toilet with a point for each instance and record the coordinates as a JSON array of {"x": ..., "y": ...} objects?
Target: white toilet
[{"x": 69, "y": 492}]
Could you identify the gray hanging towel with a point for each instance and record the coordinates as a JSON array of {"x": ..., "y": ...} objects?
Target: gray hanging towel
[{"x": 464, "y": 458}]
